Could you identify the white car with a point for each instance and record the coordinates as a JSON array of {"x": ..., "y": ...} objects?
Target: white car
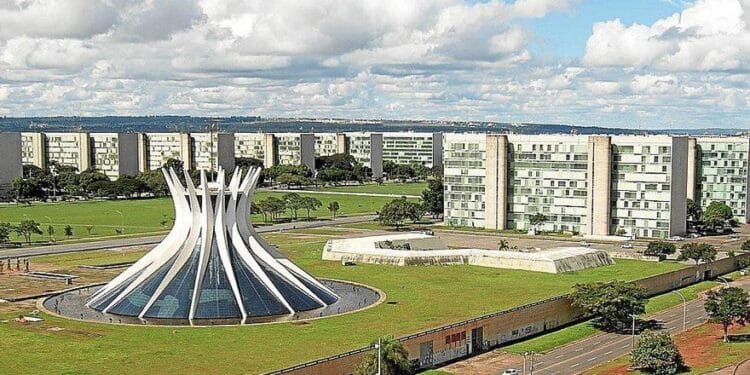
[
  {"x": 584, "y": 243},
  {"x": 627, "y": 246},
  {"x": 511, "y": 371},
  {"x": 676, "y": 238}
]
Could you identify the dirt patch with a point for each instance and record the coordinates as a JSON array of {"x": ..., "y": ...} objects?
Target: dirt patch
[{"x": 490, "y": 363}]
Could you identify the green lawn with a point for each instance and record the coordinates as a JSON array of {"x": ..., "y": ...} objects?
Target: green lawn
[
  {"x": 422, "y": 298},
  {"x": 582, "y": 330},
  {"x": 411, "y": 188},
  {"x": 145, "y": 215}
]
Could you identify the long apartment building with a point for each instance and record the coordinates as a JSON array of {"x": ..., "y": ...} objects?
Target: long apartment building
[
  {"x": 128, "y": 153},
  {"x": 592, "y": 185}
]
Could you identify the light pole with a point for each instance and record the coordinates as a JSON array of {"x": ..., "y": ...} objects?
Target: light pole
[
  {"x": 531, "y": 365},
  {"x": 122, "y": 226},
  {"x": 524, "y": 362},
  {"x": 725, "y": 281},
  {"x": 632, "y": 340},
  {"x": 378, "y": 347},
  {"x": 684, "y": 309}
]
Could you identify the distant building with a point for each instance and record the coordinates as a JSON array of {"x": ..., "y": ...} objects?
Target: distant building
[{"x": 10, "y": 160}]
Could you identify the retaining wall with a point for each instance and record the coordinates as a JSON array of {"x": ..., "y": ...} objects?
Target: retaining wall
[{"x": 472, "y": 336}]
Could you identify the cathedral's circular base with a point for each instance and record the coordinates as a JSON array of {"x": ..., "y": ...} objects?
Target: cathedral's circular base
[{"x": 72, "y": 304}]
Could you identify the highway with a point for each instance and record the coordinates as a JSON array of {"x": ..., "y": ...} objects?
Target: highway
[
  {"x": 593, "y": 351},
  {"x": 152, "y": 240}
]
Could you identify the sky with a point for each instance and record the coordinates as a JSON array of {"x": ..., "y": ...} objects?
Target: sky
[{"x": 650, "y": 64}]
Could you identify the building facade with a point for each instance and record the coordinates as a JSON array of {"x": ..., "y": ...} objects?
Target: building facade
[
  {"x": 11, "y": 161},
  {"x": 591, "y": 185},
  {"x": 723, "y": 173}
]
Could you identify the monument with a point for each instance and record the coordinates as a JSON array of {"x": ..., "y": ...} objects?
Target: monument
[{"x": 212, "y": 267}]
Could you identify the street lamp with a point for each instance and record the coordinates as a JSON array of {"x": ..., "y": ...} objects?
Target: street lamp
[
  {"x": 725, "y": 281},
  {"x": 531, "y": 362},
  {"x": 378, "y": 346},
  {"x": 684, "y": 309},
  {"x": 632, "y": 340}
]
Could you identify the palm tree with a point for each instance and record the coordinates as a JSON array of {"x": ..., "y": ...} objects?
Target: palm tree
[{"x": 394, "y": 359}]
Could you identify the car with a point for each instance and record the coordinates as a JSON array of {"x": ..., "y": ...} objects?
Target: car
[
  {"x": 627, "y": 246},
  {"x": 584, "y": 244},
  {"x": 676, "y": 238},
  {"x": 694, "y": 235},
  {"x": 734, "y": 236},
  {"x": 511, "y": 371}
]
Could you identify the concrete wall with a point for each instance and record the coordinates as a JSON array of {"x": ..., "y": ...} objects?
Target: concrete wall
[
  {"x": 376, "y": 154},
  {"x": 128, "y": 154},
  {"x": 307, "y": 150},
  {"x": 186, "y": 151},
  {"x": 10, "y": 160},
  {"x": 496, "y": 188},
  {"x": 692, "y": 167},
  {"x": 341, "y": 144},
  {"x": 225, "y": 150},
  {"x": 505, "y": 326},
  {"x": 270, "y": 153},
  {"x": 84, "y": 143},
  {"x": 142, "y": 152},
  {"x": 599, "y": 176},
  {"x": 747, "y": 200},
  {"x": 678, "y": 185},
  {"x": 437, "y": 149}
]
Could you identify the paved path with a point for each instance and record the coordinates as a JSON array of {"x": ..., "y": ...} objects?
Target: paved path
[
  {"x": 593, "y": 351},
  {"x": 151, "y": 240},
  {"x": 342, "y": 193}
]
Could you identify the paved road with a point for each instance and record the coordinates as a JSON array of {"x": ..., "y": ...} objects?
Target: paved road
[
  {"x": 593, "y": 351},
  {"x": 342, "y": 193},
  {"x": 151, "y": 240}
]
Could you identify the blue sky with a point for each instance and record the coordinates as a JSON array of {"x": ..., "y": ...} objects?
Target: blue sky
[
  {"x": 564, "y": 34},
  {"x": 637, "y": 63}
]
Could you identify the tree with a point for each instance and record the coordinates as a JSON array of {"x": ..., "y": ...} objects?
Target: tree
[
  {"x": 293, "y": 179},
  {"x": 293, "y": 202},
  {"x": 5, "y": 230},
  {"x": 333, "y": 206},
  {"x": 26, "y": 188},
  {"x": 432, "y": 197},
  {"x": 656, "y": 353},
  {"x": 538, "y": 219},
  {"x": 68, "y": 230},
  {"x": 697, "y": 252},
  {"x": 310, "y": 203},
  {"x": 27, "y": 228},
  {"x": 50, "y": 232},
  {"x": 89, "y": 228},
  {"x": 745, "y": 245},
  {"x": 660, "y": 248},
  {"x": 717, "y": 214},
  {"x": 611, "y": 303},
  {"x": 154, "y": 182},
  {"x": 395, "y": 212},
  {"x": 272, "y": 207},
  {"x": 394, "y": 359},
  {"x": 726, "y": 306},
  {"x": 94, "y": 182},
  {"x": 694, "y": 211}
]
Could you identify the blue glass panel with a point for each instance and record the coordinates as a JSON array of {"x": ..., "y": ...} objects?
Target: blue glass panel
[
  {"x": 323, "y": 294},
  {"x": 296, "y": 298},
  {"x": 133, "y": 304},
  {"x": 112, "y": 294},
  {"x": 216, "y": 297},
  {"x": 256, "y": 298},
  {"x": 174, "y": 301}
]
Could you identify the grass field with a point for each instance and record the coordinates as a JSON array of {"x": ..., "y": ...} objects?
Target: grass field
[
  {"x": 413, "y": 188},
  {"x": 421, "y": 297},
  {"x": 145, "y": 215}
]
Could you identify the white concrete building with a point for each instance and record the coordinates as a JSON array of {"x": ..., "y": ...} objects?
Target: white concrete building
[
  {"x": 413, "y": 148},
  {"x": 464, "y": 169},
  {"x": 723, "y": 173}
]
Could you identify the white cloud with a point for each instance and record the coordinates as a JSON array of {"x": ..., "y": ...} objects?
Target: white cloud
[{"x": 707, "y": 35}]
